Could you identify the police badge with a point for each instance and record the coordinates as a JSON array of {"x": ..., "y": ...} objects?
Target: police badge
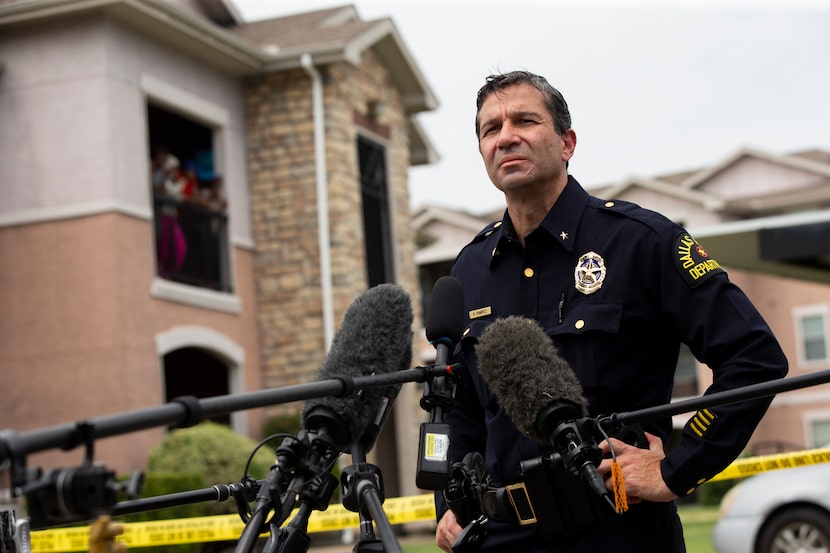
[{"x": 589, "y": 273}]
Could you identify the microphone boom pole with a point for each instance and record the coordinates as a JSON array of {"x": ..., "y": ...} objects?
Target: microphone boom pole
[
  {"x": 188, "y": 411},
  {"x": 727, "y": 397}
]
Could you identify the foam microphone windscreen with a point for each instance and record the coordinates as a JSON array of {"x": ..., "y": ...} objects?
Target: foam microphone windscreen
[
  {"x": 374, "y": 338},
  {"x": 521, "y": 366},
  {"x": 445, "y": 318}
]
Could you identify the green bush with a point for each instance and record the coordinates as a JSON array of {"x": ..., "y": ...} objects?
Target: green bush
[
  {"x": 212, "y": 452},
  {"x": 191, "y": 459}
]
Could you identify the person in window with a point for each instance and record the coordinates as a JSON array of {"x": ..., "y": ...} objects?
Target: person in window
[
  {"x": 160, "y": 165},
  {"x": 617, "y": 288},
  {"x": 171, "y": 242}
]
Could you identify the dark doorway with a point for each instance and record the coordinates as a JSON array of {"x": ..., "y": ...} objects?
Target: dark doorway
[{"x": 195, "y": 372}]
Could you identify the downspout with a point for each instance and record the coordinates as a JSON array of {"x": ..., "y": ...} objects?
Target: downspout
[{"x": 322, "y": 198}]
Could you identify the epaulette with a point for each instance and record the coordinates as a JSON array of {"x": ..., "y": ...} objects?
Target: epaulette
[
  {"x": 633, "y": 211},
  {"x": 486, "y": 231},
  {"x": 692, "y": 261}
]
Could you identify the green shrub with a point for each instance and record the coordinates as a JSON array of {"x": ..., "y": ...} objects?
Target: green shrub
[
  {"x": 212, "y": 452},
  {"x": 191, "y": 459}
]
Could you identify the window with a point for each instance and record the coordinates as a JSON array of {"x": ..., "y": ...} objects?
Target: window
[
  {"x": 377, "y": 227},
  {"x": 819, "y": 433},
  {"x": 812, "y": 329},
  {"x": 811, "y": 335},
  {"x": 188, "y": 202}
]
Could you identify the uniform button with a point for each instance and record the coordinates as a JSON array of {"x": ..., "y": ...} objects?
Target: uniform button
[
  {"x": 495, "y": 252},
  {"x": 609, "y": 204},
  {"x": 579, "y": 324},
  {"x": 528, "y": 272},
  {"x": 466, "y": 331},
  {"x": 488, "y": 233},
  {"x": 497, "y": 225}
]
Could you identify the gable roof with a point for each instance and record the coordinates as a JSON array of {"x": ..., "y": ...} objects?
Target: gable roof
[
  {"x": 452, "y": 229},
  {"x": 689, "y": 185},
  {"x": 706, "y": 201},
  {"x": 217, "y": 37},
  {"x": 338, "y": 34},
  {"x": 808, "y": 163}
]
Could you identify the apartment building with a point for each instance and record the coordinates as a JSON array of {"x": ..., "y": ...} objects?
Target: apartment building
[{"x": 282, "y": 149}]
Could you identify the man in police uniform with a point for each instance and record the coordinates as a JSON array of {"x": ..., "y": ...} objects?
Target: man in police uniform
[{"x": 617, "y": 288}]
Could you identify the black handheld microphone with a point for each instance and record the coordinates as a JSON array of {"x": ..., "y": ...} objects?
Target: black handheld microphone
[
  {"x": 540, "y": 392},
  {"x": 444, "y": 325}
]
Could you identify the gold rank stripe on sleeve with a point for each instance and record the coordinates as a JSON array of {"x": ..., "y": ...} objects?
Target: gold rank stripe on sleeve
[{"x": 701, "y": 422}]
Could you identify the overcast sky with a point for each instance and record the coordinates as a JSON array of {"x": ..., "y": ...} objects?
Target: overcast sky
[{"x": 653, "y": 87}]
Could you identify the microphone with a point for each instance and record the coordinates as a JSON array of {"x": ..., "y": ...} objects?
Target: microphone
[
  {"x": 444, "y": 325},
  {"x": 375, "y": 338},
  {"x": 539, "y": 392}
]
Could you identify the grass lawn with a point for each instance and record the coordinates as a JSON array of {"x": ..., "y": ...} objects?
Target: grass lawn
[{"x": 697, "y": 527}]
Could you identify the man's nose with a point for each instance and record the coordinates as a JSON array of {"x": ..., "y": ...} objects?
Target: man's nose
[{"x": 507, "y": 135}]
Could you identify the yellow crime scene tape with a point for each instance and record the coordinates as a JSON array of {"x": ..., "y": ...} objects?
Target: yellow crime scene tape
[
  {"x": 763, "y": 463},
  {"x": 399, "y": 510}
]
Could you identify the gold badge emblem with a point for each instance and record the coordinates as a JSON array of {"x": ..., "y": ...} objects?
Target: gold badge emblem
[{"x": 589, "y": 273}]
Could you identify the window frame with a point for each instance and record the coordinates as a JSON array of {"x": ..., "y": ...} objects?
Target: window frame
[
  {"x": 168, "y": 96},
  {"x": 799, "y": 315}
]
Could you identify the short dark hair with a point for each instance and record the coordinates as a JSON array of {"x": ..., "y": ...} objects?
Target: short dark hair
[{"x": 554, "y": 101}]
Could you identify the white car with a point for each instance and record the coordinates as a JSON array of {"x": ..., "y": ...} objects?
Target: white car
[{"x": 782, "y": 511}]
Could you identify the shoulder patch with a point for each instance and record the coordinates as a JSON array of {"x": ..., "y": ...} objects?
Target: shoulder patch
[{"x": 694, "y": 264}]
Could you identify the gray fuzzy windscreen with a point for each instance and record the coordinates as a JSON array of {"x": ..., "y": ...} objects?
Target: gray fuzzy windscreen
[
  {"x": 374, "y": 338},
  {"x": 523, "y": 369}
]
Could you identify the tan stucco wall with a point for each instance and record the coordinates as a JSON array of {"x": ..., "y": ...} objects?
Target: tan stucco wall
[{"x": 77, "y": 336}]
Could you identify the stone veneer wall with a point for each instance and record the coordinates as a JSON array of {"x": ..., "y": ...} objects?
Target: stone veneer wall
[{"x": 281, "y": 167}]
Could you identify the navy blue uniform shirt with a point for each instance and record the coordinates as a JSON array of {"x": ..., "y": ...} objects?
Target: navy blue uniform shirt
[{"x": 617, "y": 288}]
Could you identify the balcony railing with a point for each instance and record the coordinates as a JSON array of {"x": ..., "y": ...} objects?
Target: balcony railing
[{"x": 191, "y": 243}]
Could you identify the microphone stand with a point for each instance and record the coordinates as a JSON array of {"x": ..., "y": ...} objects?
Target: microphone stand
[
  {"x": 307, "y": 460},
  {"x": 313, "y": 485},
  {"x": 268, "y": 496},
  {"x": 314, "y": 495},
  {"x": 362, "y": 490}
]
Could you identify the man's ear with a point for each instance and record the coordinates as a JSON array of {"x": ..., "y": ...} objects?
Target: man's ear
[{"x": 568, "y": 144}]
